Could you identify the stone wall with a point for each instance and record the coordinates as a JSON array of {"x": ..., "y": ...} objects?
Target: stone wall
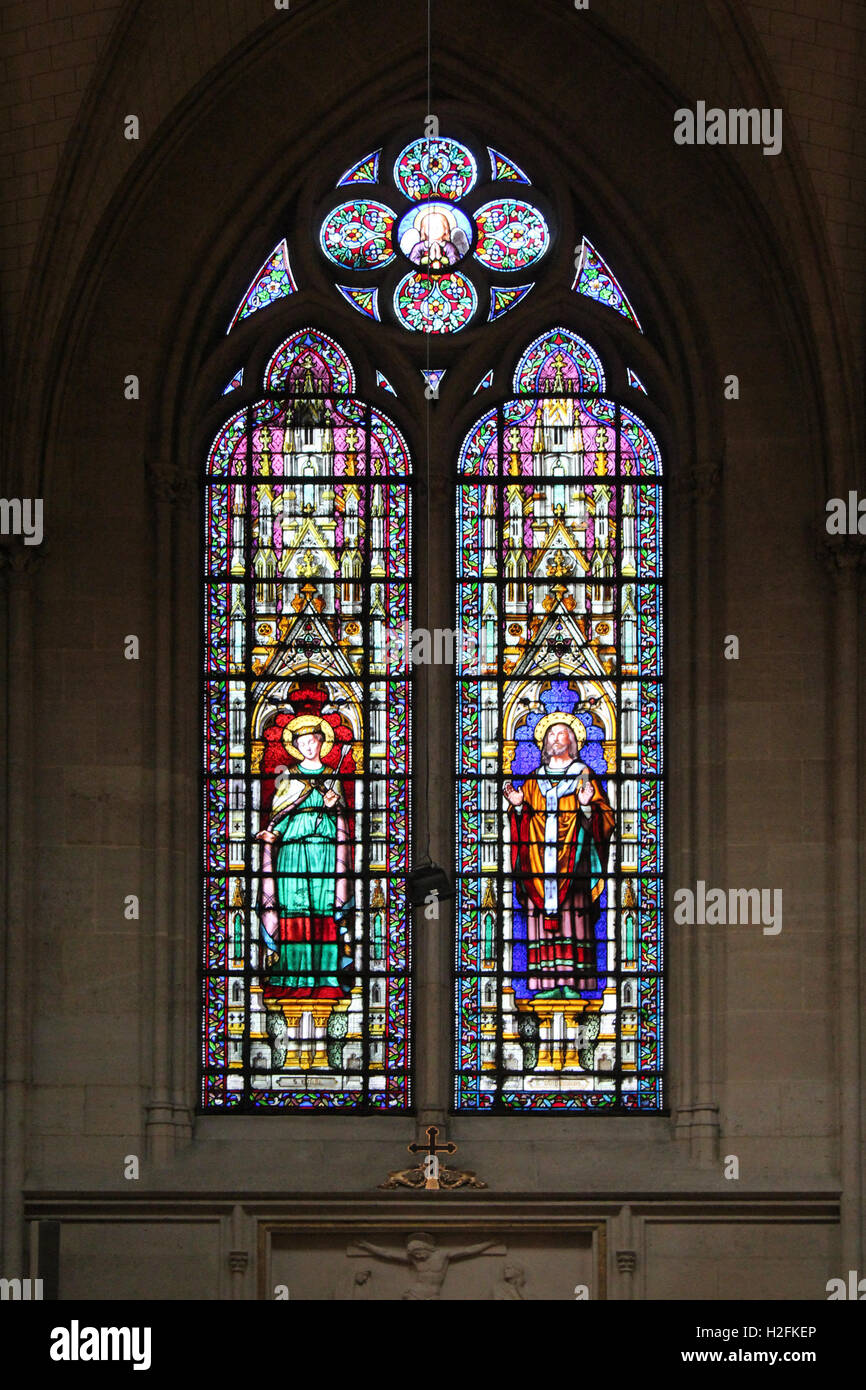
[{"x": 140, "y": 267}]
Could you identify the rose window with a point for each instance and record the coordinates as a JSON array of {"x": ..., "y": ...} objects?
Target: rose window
[{"x": 437, "y": 233}]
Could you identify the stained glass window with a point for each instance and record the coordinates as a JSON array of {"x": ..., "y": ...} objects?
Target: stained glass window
[
  {"x": 435, "y": 168},
  {"x": 365, "y": 300},
  {"x": 560, "y": 753},
  {"x": 273, "y": 281},
  {"x": 306, "y": 948},
  {"x": 635, "y": 381},
  {"x": 357, "y": 235},
  {"x": 596, "y": 280},
  {"x": 433, "y": 377},
  {"x": 365, "y": 171},
  {"x": 501, "y": 167},
  {"x": 415, "y": 243},
  {"x": 511, "y": 234},
  {"x": 427, "y": 304},
  {"x": 503, "y": 298},
  {"x": 383, "y": 382}
]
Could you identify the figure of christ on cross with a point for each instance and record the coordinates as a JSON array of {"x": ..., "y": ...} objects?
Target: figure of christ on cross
[{"x": 428, "y": 1263}]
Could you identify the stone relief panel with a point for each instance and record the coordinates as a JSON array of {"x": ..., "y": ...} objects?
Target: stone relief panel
[{"x": 457, "y": 1263}]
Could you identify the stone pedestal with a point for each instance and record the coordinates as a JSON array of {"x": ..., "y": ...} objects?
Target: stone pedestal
[
  {"x": 558, "y": 1021},
  {"x": 307, "y": 1024}
]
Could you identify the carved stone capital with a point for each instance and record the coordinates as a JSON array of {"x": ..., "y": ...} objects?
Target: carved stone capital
[
  {"x": 19, "y": 562},
  {"x": 844, "y": 557},
  {"x": 238, "y": 1261},
  {"x": 698, "y": 481},
  {"x": 626, "y": 1261},
  {"x": 171, "y": 484}
]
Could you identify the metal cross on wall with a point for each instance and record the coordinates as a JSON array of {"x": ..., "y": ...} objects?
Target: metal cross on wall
[{"x": 432, "y": 1149}]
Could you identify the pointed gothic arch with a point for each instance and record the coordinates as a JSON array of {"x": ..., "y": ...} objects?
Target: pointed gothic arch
[{"x": 277, "y": 300}]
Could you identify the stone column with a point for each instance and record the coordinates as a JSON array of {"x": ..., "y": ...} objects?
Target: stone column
[
  {"x": 699, "y": 953},
  {"x": 626, "y": 1263},
  {"x": 434, "y": 740},
  {"x": 160, "y": 1128},
  {"x": 626, "y": 1255},
  {"x": 238, "y": 1255},
  {"x": 185, "y": 731},
  {"x": 846, "y": 558},
  {"x": 18, "y": 567}
]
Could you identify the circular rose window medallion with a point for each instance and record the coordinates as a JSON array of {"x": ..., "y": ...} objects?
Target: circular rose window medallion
[
  {"x": 434, "y": 236},
  {"x": 505, "y": 235}
]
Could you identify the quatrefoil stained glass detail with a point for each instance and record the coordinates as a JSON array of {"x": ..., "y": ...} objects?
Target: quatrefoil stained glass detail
[
  {"x": 435, "y": 168},
  {"x": 435, "y": 304},
  {"x": 511, "y": 234},
  {"x": 432, "y": 237},
  {"x": 358, "y": 235}
]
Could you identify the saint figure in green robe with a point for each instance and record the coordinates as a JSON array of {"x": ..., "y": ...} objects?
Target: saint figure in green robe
[{"x": 306, "y": 870}]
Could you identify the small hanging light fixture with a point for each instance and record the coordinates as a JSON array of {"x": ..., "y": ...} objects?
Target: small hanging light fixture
[{"x": 427, "y": 880}]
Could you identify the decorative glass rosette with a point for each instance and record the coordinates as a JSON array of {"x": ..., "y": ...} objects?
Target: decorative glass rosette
[{"x": 432, "y": 242}]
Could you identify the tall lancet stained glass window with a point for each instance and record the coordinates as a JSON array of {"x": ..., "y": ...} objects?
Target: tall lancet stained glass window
[
  {"x": 559, "y": 757},
  {"x": 307, "y": 758}
]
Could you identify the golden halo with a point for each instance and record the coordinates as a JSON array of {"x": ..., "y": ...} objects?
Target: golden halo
[
  {"x": 307, "y": 724},
  {"x": 576, "y": 725}
]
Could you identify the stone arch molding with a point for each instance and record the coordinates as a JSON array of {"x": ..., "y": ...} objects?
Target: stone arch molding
[{"x": 100, "y": 181}]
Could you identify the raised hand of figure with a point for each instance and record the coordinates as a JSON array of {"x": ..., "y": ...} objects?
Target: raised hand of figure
[
  {"x": 513, "y": 795},
  {"x": 586, "y": 793},
  {"x": 330, "y": 798}
]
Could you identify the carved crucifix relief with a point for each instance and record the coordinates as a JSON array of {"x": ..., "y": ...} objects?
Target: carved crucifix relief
[{"x": 428, "y": 1263}]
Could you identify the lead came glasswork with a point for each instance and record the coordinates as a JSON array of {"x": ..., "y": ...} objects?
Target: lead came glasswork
[
  {"x": 358, "y": 235},
  {"x": 433, "y": 173},
  {"x": 435, "y": 167},
  {"x": 307, "y": 824},
  {"x": 560, "y": 748},
  {"x": 596, "y": 280},
  {"x": 366, "y": 301},
  {"x": 501, "y": 167},
  {"x": 434, "y": 236},
  {"x": 511, "y": 234},
  {"x": 274, "y": 280},
  {"x": 435, "y": 304},
  {"x": 503, "y": 298},
  {"x": 365, "y": 171}
]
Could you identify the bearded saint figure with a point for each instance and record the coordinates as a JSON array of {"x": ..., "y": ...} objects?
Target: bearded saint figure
[
  {"x": 561, "y": 824},
  {"x": 306, "y": 869}
]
